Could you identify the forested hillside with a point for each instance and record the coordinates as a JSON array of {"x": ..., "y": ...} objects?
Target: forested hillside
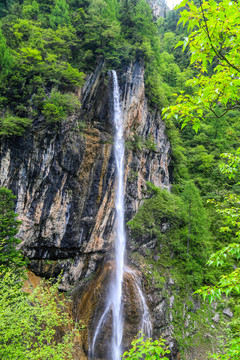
[
  {"x": 47, "y": 47},
  {"x": 191, "y": 59}
]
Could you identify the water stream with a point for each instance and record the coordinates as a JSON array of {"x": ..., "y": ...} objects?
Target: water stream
[
  {"x": 114, "y": 305},
  {"x": 120, "y": 241}
]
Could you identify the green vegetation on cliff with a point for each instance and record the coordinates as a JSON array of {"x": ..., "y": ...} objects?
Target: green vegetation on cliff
[
  {"x": 209, "y": 100},
  {"x": 9, "y": 225},
  {"x": 33, "y": 325},
  {"x": 46, "y": 45}
]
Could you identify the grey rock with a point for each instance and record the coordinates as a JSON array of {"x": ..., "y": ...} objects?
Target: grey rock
[
  {"x": 216, "y": 318},
  {"x": 171, "y": 301},
  {"x": 186, "y": 324},
  {"x": 228, "y": 312}
]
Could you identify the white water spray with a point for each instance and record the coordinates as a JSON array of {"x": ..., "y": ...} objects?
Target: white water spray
[
  {"x": 120, "y": 242},
  {"x": 146, "y": 324}
]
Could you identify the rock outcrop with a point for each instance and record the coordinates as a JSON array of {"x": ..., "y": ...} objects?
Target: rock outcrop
[
  {"x": 159, "y": 7},
  {"x": 91, "y": 306}
]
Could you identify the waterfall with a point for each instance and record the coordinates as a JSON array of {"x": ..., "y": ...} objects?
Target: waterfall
[
  {"x": 114, "y": 304},
  {"x": 146, "y": 324},
  {"x": 120, "y": 242}
]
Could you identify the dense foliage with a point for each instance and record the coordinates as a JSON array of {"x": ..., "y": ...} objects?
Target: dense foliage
[
  {"x": 9, "y": 225},
  {"x": 35, "y": 325},
  {"x": 214, "y": 48},
  {"x": 45, "y": 47},
  {"x": 149, "y": 349},
  {"x": 182, "y": 230},
  {"x": 209, "y": 100}
]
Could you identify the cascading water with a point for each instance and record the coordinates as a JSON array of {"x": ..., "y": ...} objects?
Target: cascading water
[
  {"x": 114, "y": 304},
  {"x": 146, "y": 324},
  {"x": 120, "y": 242}
]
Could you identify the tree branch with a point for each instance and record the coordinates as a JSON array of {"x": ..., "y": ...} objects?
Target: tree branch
[{"x": 220, "y": 56}]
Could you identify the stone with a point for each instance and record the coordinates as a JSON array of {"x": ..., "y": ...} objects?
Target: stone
[
  {"x": 186, "y": 324},
  {"x": 89, "y": 305},
  {"x": 159, "y": 7},
  {"x": 228, "y": 312},
  {"x": 171, "y": 301},
  {"x": 216, "y": 318}
]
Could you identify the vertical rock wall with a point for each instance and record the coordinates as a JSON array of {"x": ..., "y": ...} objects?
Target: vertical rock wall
[{"x": 63, "y": 177}]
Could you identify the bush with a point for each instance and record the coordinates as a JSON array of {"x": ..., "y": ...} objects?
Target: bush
[
  {"x": 9, "y": 225},
  {"x": 150, "y": 349},
  {"x": 58, "y": 106},
  {"x": 31, "y": 324},
  {"x": 13, "y": 125}
]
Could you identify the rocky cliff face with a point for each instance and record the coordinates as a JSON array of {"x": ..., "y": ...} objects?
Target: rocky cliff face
[
  {"x": 64, "y": 177},
  {"x": 159, "y": 7}
]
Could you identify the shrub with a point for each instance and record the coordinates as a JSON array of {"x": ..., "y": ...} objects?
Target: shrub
[
  {"x": 148, "y": 349},
  {"x": 13, "y": 125},
  {"x": 58, "y": 106}
]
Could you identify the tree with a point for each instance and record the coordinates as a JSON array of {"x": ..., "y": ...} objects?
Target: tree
[
  {"x": 60, "y": 14},
  {"x": 6, "y": 59},
  {"x": 198, "y": 224},
  {"x": 230, "y": 211},
  {"x": 58, "y": 106},
  {"x": 228, "y": 284},
  {"x": 36, "y": 325},
  {"x": 5, "y": 6},
  {"x": 10, "y": 257},
  {"x": 214, "y": 47},
  {"x": 13, "y": 125}
]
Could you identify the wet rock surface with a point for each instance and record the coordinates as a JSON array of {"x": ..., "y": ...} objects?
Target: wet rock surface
[{"x": 91, "y": 302}]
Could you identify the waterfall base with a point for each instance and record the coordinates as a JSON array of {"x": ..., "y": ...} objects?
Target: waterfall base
[{"x": 92, "y": 307}]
